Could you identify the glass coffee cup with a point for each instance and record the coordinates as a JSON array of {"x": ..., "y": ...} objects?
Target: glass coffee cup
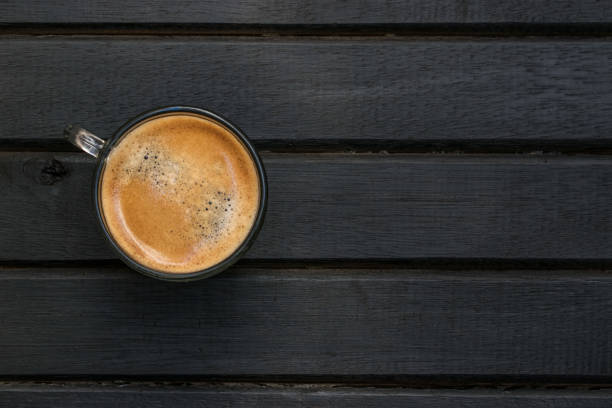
[{"x": 179, "y": 192}]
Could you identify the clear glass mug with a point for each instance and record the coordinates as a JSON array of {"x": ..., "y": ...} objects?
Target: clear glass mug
[{"x": 101, "y": 148}]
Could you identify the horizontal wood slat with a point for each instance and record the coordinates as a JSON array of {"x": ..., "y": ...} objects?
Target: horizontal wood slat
[
  {"x": 129, "y": 396},
  {"x": 294, "y": 91},
  {"x": 350, "y": 206},
  {"x": 326, "y": 322},
  {"x": 306, "y": 12}
]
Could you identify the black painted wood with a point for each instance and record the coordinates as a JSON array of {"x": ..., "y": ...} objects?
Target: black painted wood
[
  {"x": 130, "y": 396},
  {"x": 295, "y": 91},
  {"x": 306, "y": 12},
  {"x": 350, "y": 206},
  {"x": 306, "y": 322}
]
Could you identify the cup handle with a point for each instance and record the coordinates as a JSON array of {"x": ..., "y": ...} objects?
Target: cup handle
[{"x": 84, "y": 139}]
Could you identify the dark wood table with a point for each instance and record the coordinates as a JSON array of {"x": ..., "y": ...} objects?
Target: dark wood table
[{"x": 439, "y": 231}]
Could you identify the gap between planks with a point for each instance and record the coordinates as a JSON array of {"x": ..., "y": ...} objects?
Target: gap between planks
[
  {"x": 559, "y": 30},
  {"x": 578, "y": 267},
  {"x": 441, "y": 383},
  {"x": 365, "y": 146}
]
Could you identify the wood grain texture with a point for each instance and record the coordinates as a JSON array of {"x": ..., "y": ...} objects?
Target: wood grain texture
[
  {"x": 292, "y": 91},
  {"x": 350, "y": 206},
  {"x": 306, "y": 322},
  {"x": 306, "y": 12},
  {"x": 128, "y": 396}
]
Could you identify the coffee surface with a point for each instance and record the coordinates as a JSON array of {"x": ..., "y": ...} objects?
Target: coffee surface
[{"x": 179, "y": 193}]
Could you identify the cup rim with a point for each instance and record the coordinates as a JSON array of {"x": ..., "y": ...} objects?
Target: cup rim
[{"x": 257, "y": 223}]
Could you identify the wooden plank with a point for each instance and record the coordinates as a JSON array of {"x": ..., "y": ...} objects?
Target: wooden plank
[
  {"x": 351, "y": 206},
  {"x": 287, "y": 91},
  {"x": 306, "y": 12},
  {"x": 306, "y": 322},
  {"x": 130, "y": 396}
]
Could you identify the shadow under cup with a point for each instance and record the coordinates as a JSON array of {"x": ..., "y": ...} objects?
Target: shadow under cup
[{"x": 259, "y": 215}]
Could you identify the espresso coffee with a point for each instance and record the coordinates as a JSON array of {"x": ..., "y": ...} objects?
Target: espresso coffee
[{"x": 179, "y": 193}]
